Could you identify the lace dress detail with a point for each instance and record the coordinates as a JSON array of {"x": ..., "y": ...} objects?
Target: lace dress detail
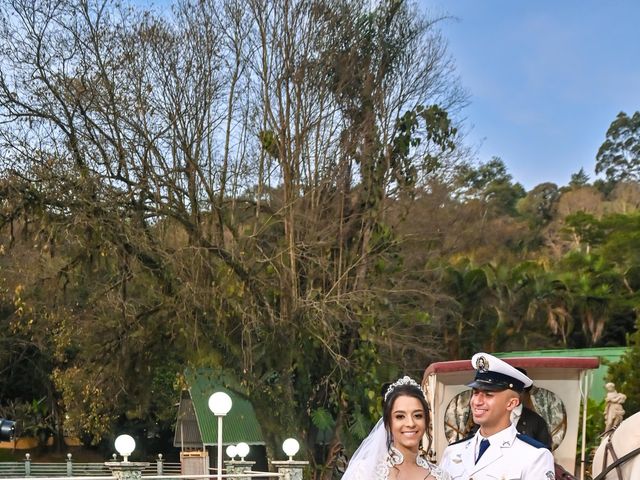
[{"x": 395, "y": 458}]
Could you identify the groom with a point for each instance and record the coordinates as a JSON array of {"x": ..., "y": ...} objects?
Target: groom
[{"x": 497, "y": 450}]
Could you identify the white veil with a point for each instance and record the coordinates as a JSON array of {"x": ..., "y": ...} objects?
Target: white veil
[{"x": 370, "y": 455}]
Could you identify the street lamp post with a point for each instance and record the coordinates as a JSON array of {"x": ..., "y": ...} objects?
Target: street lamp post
[{"x": 220, "y": 405}]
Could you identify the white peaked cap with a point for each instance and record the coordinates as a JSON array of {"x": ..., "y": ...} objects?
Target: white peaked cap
[{"x": 495, "y": 374}]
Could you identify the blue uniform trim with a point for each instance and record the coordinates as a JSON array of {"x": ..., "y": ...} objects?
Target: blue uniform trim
[{"x": 531, "y": 441}]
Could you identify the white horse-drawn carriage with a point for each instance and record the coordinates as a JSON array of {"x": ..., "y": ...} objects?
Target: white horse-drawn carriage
[{"x": 561, "y": 386}]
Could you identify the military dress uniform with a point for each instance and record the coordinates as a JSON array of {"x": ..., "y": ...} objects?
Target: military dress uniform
[
  {"x": 531, "y": 424},
  {"x": 510, "y": 455},
  {"x": 528, "y": 423}
]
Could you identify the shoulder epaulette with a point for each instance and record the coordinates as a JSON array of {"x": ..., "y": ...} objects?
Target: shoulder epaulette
[
  {"x": 531, "y": 441},
  {"x": 462, "y": 440}
]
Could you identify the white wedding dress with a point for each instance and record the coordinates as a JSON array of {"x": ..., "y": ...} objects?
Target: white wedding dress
[
  {"x": 372, "y": 460},
  {"x": 383, "y": 470}
]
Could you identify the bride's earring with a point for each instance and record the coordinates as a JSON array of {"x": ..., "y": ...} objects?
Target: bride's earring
[{"x": 396, "y": 456}]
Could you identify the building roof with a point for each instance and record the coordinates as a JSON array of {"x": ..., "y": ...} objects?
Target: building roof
[
  {"x": 187, "y": 434},
  {"x": 239, "y": 425}
]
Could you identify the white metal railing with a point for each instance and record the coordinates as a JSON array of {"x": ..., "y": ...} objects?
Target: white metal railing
[
  {"x": 77, "y": 470},
  {"x": 158, "y": 470},
  {"x": 247, "y": 474}
]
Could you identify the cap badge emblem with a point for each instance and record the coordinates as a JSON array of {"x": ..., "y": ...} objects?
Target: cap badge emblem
[{"x": 482, "y": 365}]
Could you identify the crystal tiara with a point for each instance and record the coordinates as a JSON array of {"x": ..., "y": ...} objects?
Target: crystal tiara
[{"x": 406, "y": 380}]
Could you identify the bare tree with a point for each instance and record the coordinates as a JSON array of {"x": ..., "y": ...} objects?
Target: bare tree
[{"x": 228, "y": 178}]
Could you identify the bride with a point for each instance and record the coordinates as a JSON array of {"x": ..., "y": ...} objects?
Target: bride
[{"x": 393, "y": 449}]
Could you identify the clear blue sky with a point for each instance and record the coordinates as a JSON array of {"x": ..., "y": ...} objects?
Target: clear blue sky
[{"x": 546, "y": 78}]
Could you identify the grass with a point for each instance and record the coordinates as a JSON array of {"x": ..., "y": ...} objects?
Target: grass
[
  {"x": 52, "y": 454},
  {"x": 7, "y": 455}
]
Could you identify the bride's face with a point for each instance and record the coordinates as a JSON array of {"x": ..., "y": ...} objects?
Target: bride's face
[{"x": 408, "y": 422}]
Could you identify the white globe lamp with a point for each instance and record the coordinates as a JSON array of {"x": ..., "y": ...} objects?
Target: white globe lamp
[
  {"x": 125, "y": 445},
  {"x": 290, "y": 447},
  {"x": 242, "y": 449},
  {"x": 220, "y": 404},
  {"x": 231, "y": 451}
]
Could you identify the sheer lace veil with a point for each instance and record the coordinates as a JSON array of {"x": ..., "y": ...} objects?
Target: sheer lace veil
[{"x": 367, "y": 457}]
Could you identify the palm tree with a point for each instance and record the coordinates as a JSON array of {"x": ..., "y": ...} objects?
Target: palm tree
[{"x": 466, "y": 308}]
